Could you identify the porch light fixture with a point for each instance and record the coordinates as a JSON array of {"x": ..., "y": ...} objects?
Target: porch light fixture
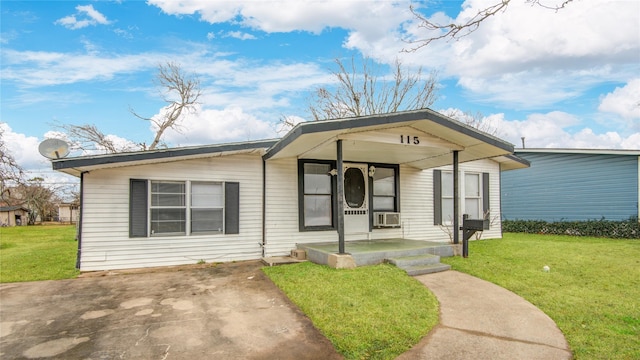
[{"x": 372, "y": 170}]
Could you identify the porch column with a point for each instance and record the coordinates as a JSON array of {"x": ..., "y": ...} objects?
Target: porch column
[
  {"x": 456, "y": 200},
  {"x": 340, "y": 197}
]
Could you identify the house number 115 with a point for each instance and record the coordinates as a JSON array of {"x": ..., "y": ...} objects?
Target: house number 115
[{"x": 409, "y": 140}]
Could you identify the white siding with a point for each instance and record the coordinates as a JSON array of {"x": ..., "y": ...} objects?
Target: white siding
[
  {"x": 416, "y": 202},
  {"x": 105, "y": 224}
]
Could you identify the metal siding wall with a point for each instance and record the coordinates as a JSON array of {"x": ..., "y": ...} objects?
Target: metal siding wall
[{"x": 571, "y": 187}]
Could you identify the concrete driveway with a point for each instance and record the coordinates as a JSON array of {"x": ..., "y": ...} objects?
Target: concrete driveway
[{"x": 228, "y": 311}]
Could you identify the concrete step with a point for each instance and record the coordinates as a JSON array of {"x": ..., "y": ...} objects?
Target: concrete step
[
  {"x": 419, "y": 264},
  {"x": 423, "y": 259},
  {"x": 426, "y": 269}
]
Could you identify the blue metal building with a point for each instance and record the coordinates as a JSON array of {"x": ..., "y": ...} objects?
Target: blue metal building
[{"x": 573, "y": 185}]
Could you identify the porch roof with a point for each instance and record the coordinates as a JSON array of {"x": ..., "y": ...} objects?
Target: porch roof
[{"x": 422, "y": 139}]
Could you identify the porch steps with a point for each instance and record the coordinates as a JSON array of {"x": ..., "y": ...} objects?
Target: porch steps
[{"x": 419, "y": 264}]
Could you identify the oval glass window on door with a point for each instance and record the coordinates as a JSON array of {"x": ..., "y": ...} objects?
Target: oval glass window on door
[{"x": 354, "y": 188}]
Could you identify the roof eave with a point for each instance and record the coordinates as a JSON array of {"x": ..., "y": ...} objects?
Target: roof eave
[
  {"x": 512, "y": 162},
  {"x": 77, "y": 165},
  {"x": 339, "y": 125}
]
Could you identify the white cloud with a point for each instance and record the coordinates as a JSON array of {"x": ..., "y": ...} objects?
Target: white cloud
[
  {"x": 556, "y": 130},
  {"x": 210, "y": 126},
  {"x": 41, "y": 68},
  {"x": 85, "y": 16},
  {"x": 24, "y": 149},
  {"x": 123, "y": 33},
  {"x": 527, "y": 56},
  {"x": 240, "y": 35},
  {"x": 370, "y": 18},
  {"x": 631, "y": 142},
  {"x": 623, "y": 101},
  {"x": 240, "y": 82},
  {"x": 530, "y": 56},
  {"x": 525, "y": 37}
]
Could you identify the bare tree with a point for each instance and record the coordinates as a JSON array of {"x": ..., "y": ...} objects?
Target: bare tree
[
  {"x": 38, "y": 197},
  {"x": 89, "y": 138},
  {"x": 11, "y": 174},
  {"x": 361, "y": 91},
  {"x": 476, "y": 120},
  {"x": 181, "y": 93},
  {"x": 454, "y": 31}
]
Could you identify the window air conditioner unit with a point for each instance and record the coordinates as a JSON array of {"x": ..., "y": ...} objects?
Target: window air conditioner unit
[{"x": 386, "y": 219}]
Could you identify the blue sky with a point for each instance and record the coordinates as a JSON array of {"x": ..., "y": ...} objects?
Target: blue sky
[{"x": 561, "y": 79}]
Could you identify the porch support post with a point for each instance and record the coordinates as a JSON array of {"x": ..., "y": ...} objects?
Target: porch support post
[
  {"x": 456, "y": 199},
  {"x": 340, "y": 197}
]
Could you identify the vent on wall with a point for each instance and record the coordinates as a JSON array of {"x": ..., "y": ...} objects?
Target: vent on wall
[{"x": 386, "y": 219}]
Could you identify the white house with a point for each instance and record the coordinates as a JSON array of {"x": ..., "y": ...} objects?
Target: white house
[
  {"x": 68, "y": 212},
  {"x": 373, "y": 177}
]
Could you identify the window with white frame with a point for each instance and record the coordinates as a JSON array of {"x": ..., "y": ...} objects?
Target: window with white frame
[
  {"x": 385, "y": 189},
  {"x": 317, "y": 195},
  {"x": 447, "y": 197},
  {"x": 167, "y": 208},
  {"x": 207, "y": 207},
  {"x": 474, "y": 195}
]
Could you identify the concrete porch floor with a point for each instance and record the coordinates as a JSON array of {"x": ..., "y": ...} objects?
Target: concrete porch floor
[{"x": 371, "y": 252}]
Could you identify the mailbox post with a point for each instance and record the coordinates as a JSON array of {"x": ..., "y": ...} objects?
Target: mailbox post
[{"x": 469, "y": 227}]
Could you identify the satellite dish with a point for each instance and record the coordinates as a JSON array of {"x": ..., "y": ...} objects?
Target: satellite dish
[{"x": 54, "y": 149}]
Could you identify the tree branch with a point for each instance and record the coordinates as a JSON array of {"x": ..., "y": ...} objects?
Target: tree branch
[
  {"x": 360, "y": 91},
  {"x": 455, "y": 31},
  {"x": 181, "y": 93}
]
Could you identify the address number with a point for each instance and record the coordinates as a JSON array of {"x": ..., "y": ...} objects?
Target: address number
[{"x": 409, "y": 139}]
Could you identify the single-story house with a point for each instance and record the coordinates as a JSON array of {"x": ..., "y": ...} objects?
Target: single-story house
[
  {"x": 15, "y": 215},
  {"x": 68, "y": 212},
  {"x": 573, "y": 185},
  {"x": 366, "y": 178}
]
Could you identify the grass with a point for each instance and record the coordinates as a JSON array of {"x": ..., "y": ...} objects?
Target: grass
[
  {"x": 30, "y": 253},
  {"x": 371, "y": 312},
  {"x": 592, "y": 290}
]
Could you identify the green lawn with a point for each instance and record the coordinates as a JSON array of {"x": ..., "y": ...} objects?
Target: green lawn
[
  {"x": 592, "y": 290},
  {"x": 377, "y": 312},
  {"x": 372, "y": 312},
  {"x": 29, "y": 253}
]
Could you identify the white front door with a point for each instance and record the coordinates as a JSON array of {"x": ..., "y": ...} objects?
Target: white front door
[{"x": 356, "y": 199}]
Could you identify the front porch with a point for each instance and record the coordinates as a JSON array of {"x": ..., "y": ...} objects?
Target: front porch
[
  {"x": 372, "y": 252},
  {"x": 414, "y": 256}
]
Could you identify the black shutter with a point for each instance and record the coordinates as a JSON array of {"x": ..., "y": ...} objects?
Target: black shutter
[
  {"x": 138, "y": 208},
  {"x": 437, "y": 197},
  {"x": 485, "y": 194},
  {"x": 231, "y": 208}
]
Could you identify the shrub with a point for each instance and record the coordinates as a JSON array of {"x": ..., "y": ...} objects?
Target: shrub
[{"x": 628, "y": 229}]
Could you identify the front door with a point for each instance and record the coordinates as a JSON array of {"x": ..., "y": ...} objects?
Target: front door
[{"x": 356, "y": 199}]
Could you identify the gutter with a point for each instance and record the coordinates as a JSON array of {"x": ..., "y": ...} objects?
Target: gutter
[
  {"x": 264, "y": 207},
  {"x": 79, "y": 234}
]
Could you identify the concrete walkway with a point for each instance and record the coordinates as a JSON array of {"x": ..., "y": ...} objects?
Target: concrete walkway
[{"x": 480, "y": 320}]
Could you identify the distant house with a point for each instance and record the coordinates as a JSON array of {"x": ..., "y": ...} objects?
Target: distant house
[
  {"x": 385, "y": 176},
  {"x": 16, "y": 215},
  {"x": 573, "y": 185},
  {"x": 68, "y": 212}
]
